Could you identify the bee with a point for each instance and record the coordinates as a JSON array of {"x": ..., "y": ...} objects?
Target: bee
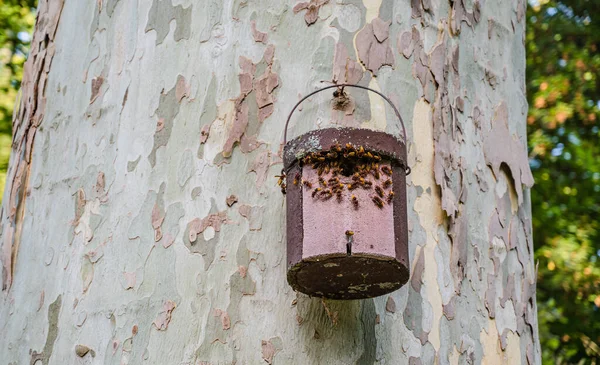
[
  {"x": 337, "y": 147},
  {"x": 320, "y": 170},
  {"x": 333, "y": 180},
  {"x": 378, "y": 202},
  {"x": 338, "y": 194},
  {"x": 283, "y": 188},
  {"x": 281, "y": 178},
  {"x": 361, "y": 180},
  {"x": 349, "y": 146},
  {"x": 307, "y": 184},
  {"x": 386, "y": 170},
  {"x": 387, "y": 183},
  {"x": 321, "y": 159},
  {"x": 379, "y": 191},
  {"x": 296, "y": 179},
  {"x": 376, "y": 174},
  {"x": 349, "y": 233},
  {"x": 367, "y": 185},
  {"x": 351, "y": 154},
  {"x": 354, "y": 201},
  {"x": 326, "y": 169},
  {"x": 352, "y": 186},
  {"x": 377, "y": 157},
  {"x": 322, "y": 181},
  {"x": 369, "y": 155},
  {"x": 316, "y": 191},
  {"x": 390, "y": 197},
  {"x": 332, "y": 155},
  {"x": 326, "y": 194}
]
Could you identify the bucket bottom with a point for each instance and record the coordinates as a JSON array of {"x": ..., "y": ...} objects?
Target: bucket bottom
[{"x": 339, "y": 276}]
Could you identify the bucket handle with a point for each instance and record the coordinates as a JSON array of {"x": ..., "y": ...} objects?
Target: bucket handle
[{"x": 341, "y": 86}]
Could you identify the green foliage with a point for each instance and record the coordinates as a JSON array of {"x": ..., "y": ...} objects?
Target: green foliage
[
  {"x": 563, "y": 89},
  {"x": 16, "y": 23}
]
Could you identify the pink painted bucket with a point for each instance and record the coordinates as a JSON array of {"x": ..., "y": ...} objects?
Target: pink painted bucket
[{"x": 347, "y": 229}]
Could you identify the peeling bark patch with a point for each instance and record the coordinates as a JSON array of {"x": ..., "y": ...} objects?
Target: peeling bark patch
[
  {"x": 460, "y": 14},
  {"x": 164, "y": 316},
  {"x": 195, "y": 242},
  {"x": 406, "y": 45},
  {"x": 260, "y": 166},
  {"x": 512, "y": 153},
  {"x": 312, "y": 8},
  {"x": 262, "y": 87},
  {"x": 459, "y": 252},
  {"x": 373, "y": 45},
  {"x": 268, "y": 351},
  {"x": 490, "y": 296},
  {"x": 182, "y": 88},
  {"x": 53, "y": 314},
  {"x": 450, "y": 309},
  {"x": 416, "y": 279},
  {"x": 225, "y": 320},
  {"x": 26, "y": 121},
  {"x": 160, "y": 16},
  {"x": 231, "y": 200},
  {"x": 345, "y": 69},
  {"x": 96, "y": 85},
  {"x": 167, "y": 110},
  {"x": 413, "y": 316},
  {"x": 390, "y": 305},
  {"x": 253, "y": 214},
  {"x": 199, "y": 225},
  {"x": 258, "y": 36},
  {"x": 82, "y": 350}
]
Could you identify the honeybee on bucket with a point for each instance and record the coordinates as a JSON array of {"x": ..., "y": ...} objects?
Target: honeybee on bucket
[
  {"x": 354, "y": 201},
  {"x": 378, "y": 202}
]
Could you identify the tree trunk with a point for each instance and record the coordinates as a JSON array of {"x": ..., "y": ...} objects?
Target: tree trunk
[{"x": 142, "y": 222}]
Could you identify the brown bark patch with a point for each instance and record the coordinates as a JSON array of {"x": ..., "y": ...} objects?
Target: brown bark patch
[{"x": 373, "y": 45}]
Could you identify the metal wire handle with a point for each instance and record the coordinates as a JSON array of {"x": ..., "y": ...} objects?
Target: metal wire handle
[{"x": 341, "y": 86}]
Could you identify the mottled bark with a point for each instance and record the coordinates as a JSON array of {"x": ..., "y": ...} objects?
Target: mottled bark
[{"x": 142, "y": 222}]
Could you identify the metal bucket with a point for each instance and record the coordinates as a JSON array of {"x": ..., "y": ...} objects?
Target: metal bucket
[{"x": 347, "y": 229}]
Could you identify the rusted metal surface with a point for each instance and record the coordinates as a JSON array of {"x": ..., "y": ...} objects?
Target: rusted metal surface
[
  {"x": 383, "y": 143},
  {"x": 339, "y": 276}
]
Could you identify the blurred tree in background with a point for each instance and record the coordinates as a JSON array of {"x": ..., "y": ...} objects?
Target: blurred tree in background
[
  {"x": 16, "y": 24},
  {"x": 563, "y": 86}
]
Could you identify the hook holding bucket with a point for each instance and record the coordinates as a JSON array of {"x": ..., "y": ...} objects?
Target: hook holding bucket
[{"x": 341, "y": 89}]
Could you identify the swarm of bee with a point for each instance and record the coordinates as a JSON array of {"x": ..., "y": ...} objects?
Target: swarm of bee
[{"x": 345, "y": 168}]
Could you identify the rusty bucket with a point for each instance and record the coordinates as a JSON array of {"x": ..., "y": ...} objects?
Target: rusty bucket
[{"x": 347, "y": 230}]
